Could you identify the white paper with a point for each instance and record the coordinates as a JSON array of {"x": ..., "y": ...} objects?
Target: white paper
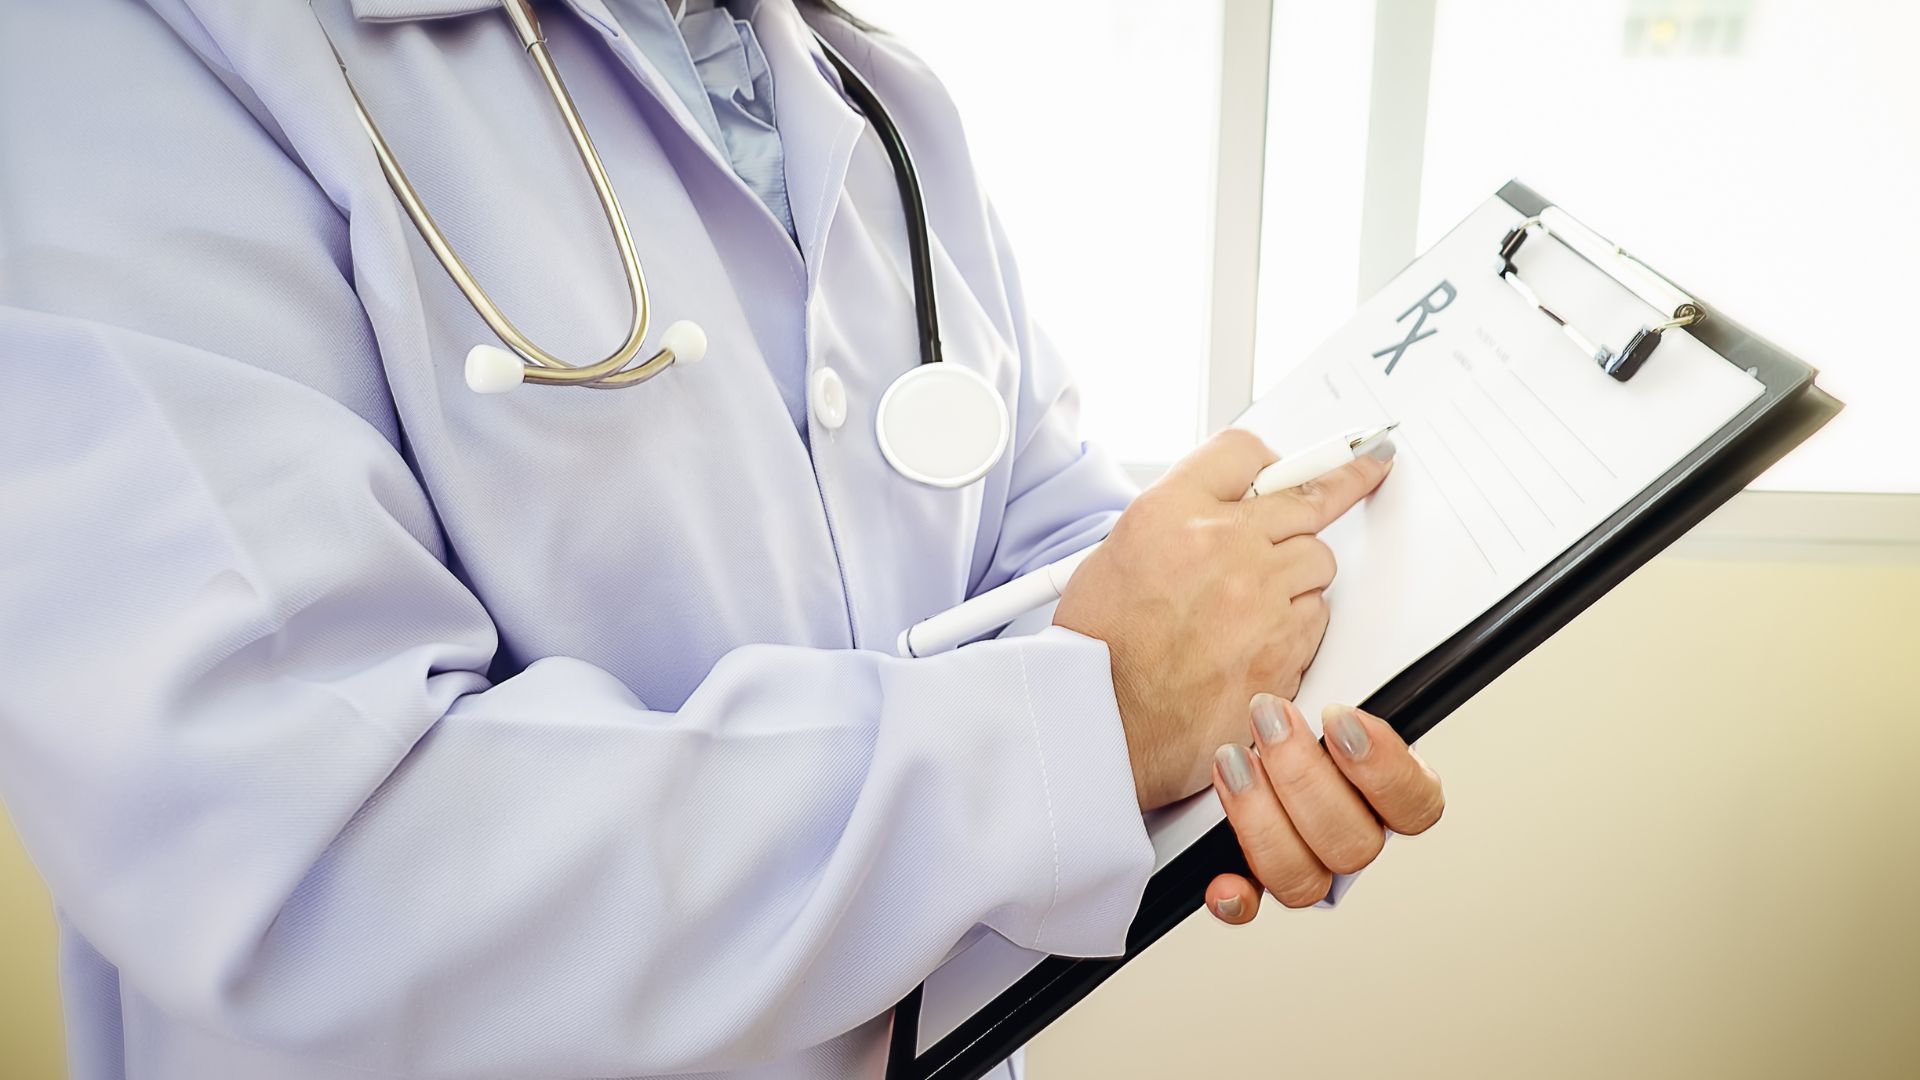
[{"x": 1512, "y": 446}]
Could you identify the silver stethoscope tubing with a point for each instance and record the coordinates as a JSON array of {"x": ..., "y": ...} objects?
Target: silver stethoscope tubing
[
  {"x": 539, "y": 365},
  {"x": 939, "y": 424}
]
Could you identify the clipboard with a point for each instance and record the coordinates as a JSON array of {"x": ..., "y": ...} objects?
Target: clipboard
[{"x": 1788, "y": 410}]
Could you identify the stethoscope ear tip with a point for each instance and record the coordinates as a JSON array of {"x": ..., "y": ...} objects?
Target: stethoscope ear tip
[
  {"x": 686, "y": 341},
  {"x": 493, "y": 370}
]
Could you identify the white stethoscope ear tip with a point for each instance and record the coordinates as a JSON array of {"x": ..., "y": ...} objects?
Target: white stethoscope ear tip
[
  {"x": 493, "y": 370},
  {"x": 686, "y": 341}
]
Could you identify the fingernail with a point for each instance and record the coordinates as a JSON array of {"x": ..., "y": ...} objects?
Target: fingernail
[
  {"x": 1347, "y": 731},
  {"x": 1235, "y": 768},
  {"x": 1228, "y": 907},
  {"x": 1269, "y": 719},
  {"x": 1382, "y": 450}
]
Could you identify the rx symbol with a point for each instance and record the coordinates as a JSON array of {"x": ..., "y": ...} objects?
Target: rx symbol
[{"x": 1425, "y": 306}]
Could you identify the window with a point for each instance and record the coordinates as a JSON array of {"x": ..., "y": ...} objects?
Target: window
[
  {"x": 1757, "y": 150},
  {"x": 1761, "y": 151},
  {"x": 1093, "y": 129},
  {"x": 1317, "y": 98}
]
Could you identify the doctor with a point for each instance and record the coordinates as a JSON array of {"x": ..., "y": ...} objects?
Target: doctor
[{"x": 366, "y": 726}]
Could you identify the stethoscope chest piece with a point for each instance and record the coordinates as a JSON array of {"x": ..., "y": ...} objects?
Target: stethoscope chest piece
[{"x": 943, "y": 425}]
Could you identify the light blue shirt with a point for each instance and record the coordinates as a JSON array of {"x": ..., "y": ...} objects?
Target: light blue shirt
[
  {"x": 713, "y": 61},
  {"x": 366, "y": 727}
]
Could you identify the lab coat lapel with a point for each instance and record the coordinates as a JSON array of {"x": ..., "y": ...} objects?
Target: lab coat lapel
[
  {"x": 408, "y": 10},
  {"x": 644, "y": 71},
  {"x": 818, "y": 129},
  {"x": 596, "y": 15}
]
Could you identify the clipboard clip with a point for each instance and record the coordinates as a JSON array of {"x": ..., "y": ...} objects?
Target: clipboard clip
[{"x": 1637, "y": 277}]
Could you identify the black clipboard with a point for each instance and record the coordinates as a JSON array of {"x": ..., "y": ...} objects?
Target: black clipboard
[{"x": 1790, "y": 409}]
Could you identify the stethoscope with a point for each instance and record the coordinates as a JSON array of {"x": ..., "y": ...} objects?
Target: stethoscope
[{"x": 939, "y": 424}]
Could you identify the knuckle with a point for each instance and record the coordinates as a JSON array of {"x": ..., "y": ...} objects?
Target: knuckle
[
  {"x": 1238, "y": 439},
  {"x": 1355, "y": 853},
  {"x": 1242, "y": 590},
  {"x": 1304, "y": 888},
  {"x": 1150, "y": 503},
  {"x": 1330, "y": 563},
  {"x": 1293, "y": 773},
  {"x": 1269, "y": 859},
  {"x": 1305, "y": 506},
  {"x": 1298, "y": 775},
  {"x": 1206, "y": 536},
  {"x": 1129, "y": 525},
  {"x": 1415, "y": 798},
  {"x": 1318, "y": 615},
  {"x": 1426, "y": 817},
  {"x": 1274, "y": 853}
]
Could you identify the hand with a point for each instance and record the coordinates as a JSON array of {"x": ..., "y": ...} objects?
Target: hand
[
  {"x": 1204, "y": 600},
  {"x": 1306, "y": 811}
]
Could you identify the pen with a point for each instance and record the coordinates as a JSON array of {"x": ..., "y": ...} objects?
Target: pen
[{"x": 999, "y": 606}]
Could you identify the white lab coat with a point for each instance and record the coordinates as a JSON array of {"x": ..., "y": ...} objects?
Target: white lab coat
[{"x": 363, "y": 726}]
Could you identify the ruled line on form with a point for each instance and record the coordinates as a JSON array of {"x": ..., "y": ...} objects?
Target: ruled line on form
[
  {"x": 1501, "y": 461},
  {"x": 1528, "y": 439},
  {"x": 1568, "y": 427},
  {"x": 1406, "y": 439},
  {"x": 1492, "y": 508}
]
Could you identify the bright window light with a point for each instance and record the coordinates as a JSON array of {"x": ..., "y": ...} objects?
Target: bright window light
[
  {"x": 1316, "y": 163},
  {"x": 1762, "y": 152},
  {"x": 1093, "y": 129}
]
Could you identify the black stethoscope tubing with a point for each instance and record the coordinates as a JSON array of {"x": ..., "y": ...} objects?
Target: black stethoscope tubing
[{"x": 912, "y": 202}]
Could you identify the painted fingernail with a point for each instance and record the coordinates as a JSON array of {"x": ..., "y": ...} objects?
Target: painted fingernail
[
  {"x": 1269, "y": 718},
  {"x": 1228, "y": 907},
  {"x": 1382, "y": 450},
  {"x": 1347, "y": 731},
  {"x": 1235, "y": 768}
]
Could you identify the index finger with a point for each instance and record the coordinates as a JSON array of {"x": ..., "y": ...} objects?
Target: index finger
[
  {"x": 1319, "y": 502},
  {"x": 1226, "y": 463}
]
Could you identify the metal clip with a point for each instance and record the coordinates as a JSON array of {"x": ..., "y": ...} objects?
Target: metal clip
[{"x": 1628, "y": 271}]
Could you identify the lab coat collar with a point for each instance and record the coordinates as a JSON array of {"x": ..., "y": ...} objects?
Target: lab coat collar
[
  {"x": 408, "y": 10},
  {"x": 818, "y": 129},
  {"x": 596, "y": 15}
]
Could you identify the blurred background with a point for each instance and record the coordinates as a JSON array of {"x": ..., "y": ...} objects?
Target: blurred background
[{"x": 1681, "y": 839}]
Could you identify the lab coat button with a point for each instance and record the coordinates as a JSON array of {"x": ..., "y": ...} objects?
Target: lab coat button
[{"x": 829, "y": 396}]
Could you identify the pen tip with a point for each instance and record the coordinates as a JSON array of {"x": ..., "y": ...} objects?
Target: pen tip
[{"x": 1371, "y": 434}]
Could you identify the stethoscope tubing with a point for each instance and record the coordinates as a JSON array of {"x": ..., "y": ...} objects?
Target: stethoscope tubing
[
  {"x": 612, "y": 371},
  {"x": 912, "y": 201}
]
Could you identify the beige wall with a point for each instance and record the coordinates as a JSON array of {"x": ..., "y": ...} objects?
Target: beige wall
[
  {"x": 1684, "y": 841},
  {"x": 29, "y": 1007}
]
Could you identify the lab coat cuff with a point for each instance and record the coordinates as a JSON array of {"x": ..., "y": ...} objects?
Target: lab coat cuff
[{"x": 1102, "y": 857}]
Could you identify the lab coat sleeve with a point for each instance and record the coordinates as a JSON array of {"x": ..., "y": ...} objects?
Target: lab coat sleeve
[{"x": 246, "y": 726}]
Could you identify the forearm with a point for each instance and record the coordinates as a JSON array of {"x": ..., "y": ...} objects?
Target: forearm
[{"x": 309, "y": 811}]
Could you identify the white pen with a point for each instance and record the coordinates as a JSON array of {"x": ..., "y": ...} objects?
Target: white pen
[{"x": 999, "y": 606}]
